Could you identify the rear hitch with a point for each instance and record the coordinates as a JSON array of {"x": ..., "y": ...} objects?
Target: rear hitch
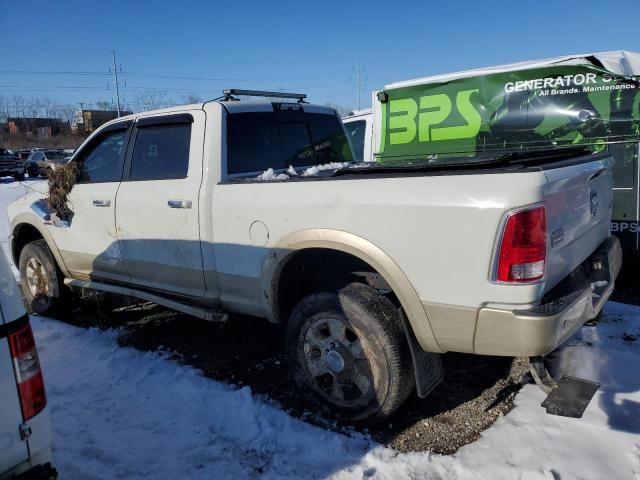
[{"x": 567, "y": 398}]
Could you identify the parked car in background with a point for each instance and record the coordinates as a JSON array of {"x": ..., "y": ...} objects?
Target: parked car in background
[
  {"x": 40, "y": 162},
  {"x": 24, "y": 154},
  {"x": 25, "y": 431},
  {"x": 11, "y": 165}
]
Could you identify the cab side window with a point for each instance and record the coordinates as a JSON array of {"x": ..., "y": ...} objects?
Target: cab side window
[
  {"x": 356, "y": 131},
  {"x": 101, "y": 161},
  {"x": 161, "y": 152}
]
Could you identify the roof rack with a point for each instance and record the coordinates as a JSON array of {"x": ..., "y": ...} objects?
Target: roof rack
[{"x": 231, "y": 94}]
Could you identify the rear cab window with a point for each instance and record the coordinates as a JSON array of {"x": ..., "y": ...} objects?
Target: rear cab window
[{"x": 286, "y": 136}]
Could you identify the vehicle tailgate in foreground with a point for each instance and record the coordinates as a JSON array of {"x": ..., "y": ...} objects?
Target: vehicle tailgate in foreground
[{"x": 578, "y": 201}]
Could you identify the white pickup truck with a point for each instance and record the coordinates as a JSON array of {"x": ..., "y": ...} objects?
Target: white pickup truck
[{"x": 256, "y": 208}]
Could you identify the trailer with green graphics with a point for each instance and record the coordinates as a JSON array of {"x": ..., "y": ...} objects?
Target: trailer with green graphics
[{"x": 590, "y": 101}]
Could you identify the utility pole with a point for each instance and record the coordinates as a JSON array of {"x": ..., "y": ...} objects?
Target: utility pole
[
  {"x": 116, "y": 81},
  {"x": 359, "y": 79}
]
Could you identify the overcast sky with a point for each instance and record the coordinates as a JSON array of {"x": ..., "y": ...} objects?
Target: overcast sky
[{"x": 62, "y": 50}]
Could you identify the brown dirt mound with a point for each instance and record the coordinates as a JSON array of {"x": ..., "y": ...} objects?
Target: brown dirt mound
[{"x": 61, "y": 181}]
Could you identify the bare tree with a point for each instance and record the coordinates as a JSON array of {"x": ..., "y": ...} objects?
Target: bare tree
[
  {"x": 18, "y": 106},
  {"x": 48, "y": 108},
  {"x": 341, "y": 109},
  {"x": 103, "y": 105},
  {"x": 5, "y": 109},
  {"x": 152, "y": 100},
  {"x": 33, "y": 107},
  {"x": 192, "y": 98},
  {"x": 67, "y": 113}
]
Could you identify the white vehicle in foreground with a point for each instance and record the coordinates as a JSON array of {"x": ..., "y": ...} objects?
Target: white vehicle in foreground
[
  {"x": 253, "y": 207},
  {"x": 25, "y": 432}
]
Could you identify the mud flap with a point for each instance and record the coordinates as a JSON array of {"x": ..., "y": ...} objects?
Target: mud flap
[
  {"x": 426, "y": 365},
  {"x": 429, "y": 373},
  {"x": 570, "y": 397}
]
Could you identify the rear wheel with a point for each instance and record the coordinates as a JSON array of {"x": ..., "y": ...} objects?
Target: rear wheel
[
  {"x": 348, "y": 353},
  {"x": 33, "y": 172},
  {"x": 19, "y": 177},
  {"x": 41, "y": 280}
]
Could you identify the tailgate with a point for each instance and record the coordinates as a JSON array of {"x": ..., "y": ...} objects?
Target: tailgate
[
  {"x": 578, "y": 200},
  {"x": 13, "y": 450}
]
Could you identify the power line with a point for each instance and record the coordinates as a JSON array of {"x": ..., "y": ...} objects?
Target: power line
[
  {"x": 52, "y": 72},
  {"x": 161, "y": 76}
]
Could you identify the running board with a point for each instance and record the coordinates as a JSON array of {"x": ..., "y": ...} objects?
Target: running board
[
  {"x": 205, "y": 314},
  {"x": 567, "y": 398}
]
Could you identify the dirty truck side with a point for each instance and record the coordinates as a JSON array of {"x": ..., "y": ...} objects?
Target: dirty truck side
[{"x": 257, "y": 208}]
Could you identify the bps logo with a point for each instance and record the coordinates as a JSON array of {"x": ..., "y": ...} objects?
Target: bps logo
[{"x": 432, "y": 118}]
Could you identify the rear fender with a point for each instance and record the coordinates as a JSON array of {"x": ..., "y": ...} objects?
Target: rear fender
[{"x": 365, "y": 251}]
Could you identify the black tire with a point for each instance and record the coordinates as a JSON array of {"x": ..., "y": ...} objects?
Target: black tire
[
  {"x": 33, "y": 172},
  {"x": 48, "y": 295},
  {"x": 19, "y": 177},
  {"x": 372, "y": 328}
]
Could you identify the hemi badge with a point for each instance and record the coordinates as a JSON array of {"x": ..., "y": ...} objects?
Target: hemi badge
[{"x": 557, "y": 236}]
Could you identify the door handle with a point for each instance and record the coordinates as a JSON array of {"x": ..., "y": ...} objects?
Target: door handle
[
  {"x": 599, "y": 172},
  {"x": 102, "y": 203},
  {"x": 179, "y": 203}
]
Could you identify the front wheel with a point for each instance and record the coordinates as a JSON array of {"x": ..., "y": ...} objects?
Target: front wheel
[
  {"x": 348, "y": 353},
  {"x": 41, "y": 280},
  {"x": 33, "y": 172},
  {"x": 19, "y": 177}
]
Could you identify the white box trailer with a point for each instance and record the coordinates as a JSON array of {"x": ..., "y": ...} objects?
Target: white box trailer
[{"x": 590, "y": 101}]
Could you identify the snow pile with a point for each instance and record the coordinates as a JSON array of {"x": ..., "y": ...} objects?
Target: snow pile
[
  {"x": 316, "y": 169},
  {"x": 270, "y": 175},
  {"x": 121, "y": 413}
]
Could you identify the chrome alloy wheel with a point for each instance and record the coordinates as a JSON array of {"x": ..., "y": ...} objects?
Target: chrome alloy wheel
[
  {"x": 36, "y": 278},
  {"x": 335, "y": 358}
]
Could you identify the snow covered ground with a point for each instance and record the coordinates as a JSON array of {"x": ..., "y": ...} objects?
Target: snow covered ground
[{"x": 121, "y": 413}]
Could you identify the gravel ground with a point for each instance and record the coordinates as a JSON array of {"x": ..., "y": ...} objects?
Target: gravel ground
[{"x": 249, "y": 351}]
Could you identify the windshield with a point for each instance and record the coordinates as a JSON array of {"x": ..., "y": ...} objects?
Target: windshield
[
  {"x": 56, "y": 155},
  {"x": 258, "y": 141}
]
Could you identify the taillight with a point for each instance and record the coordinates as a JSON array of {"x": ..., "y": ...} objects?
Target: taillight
[
  {"x": 523, "y": 249},
  {"x": 28, "y": 374}
]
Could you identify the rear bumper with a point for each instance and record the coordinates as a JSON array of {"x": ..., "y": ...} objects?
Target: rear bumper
[
  {"x": 541, "y": 330},
  {"x": 39, "y": 472},
  {"x": 37, "y": 468}
]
